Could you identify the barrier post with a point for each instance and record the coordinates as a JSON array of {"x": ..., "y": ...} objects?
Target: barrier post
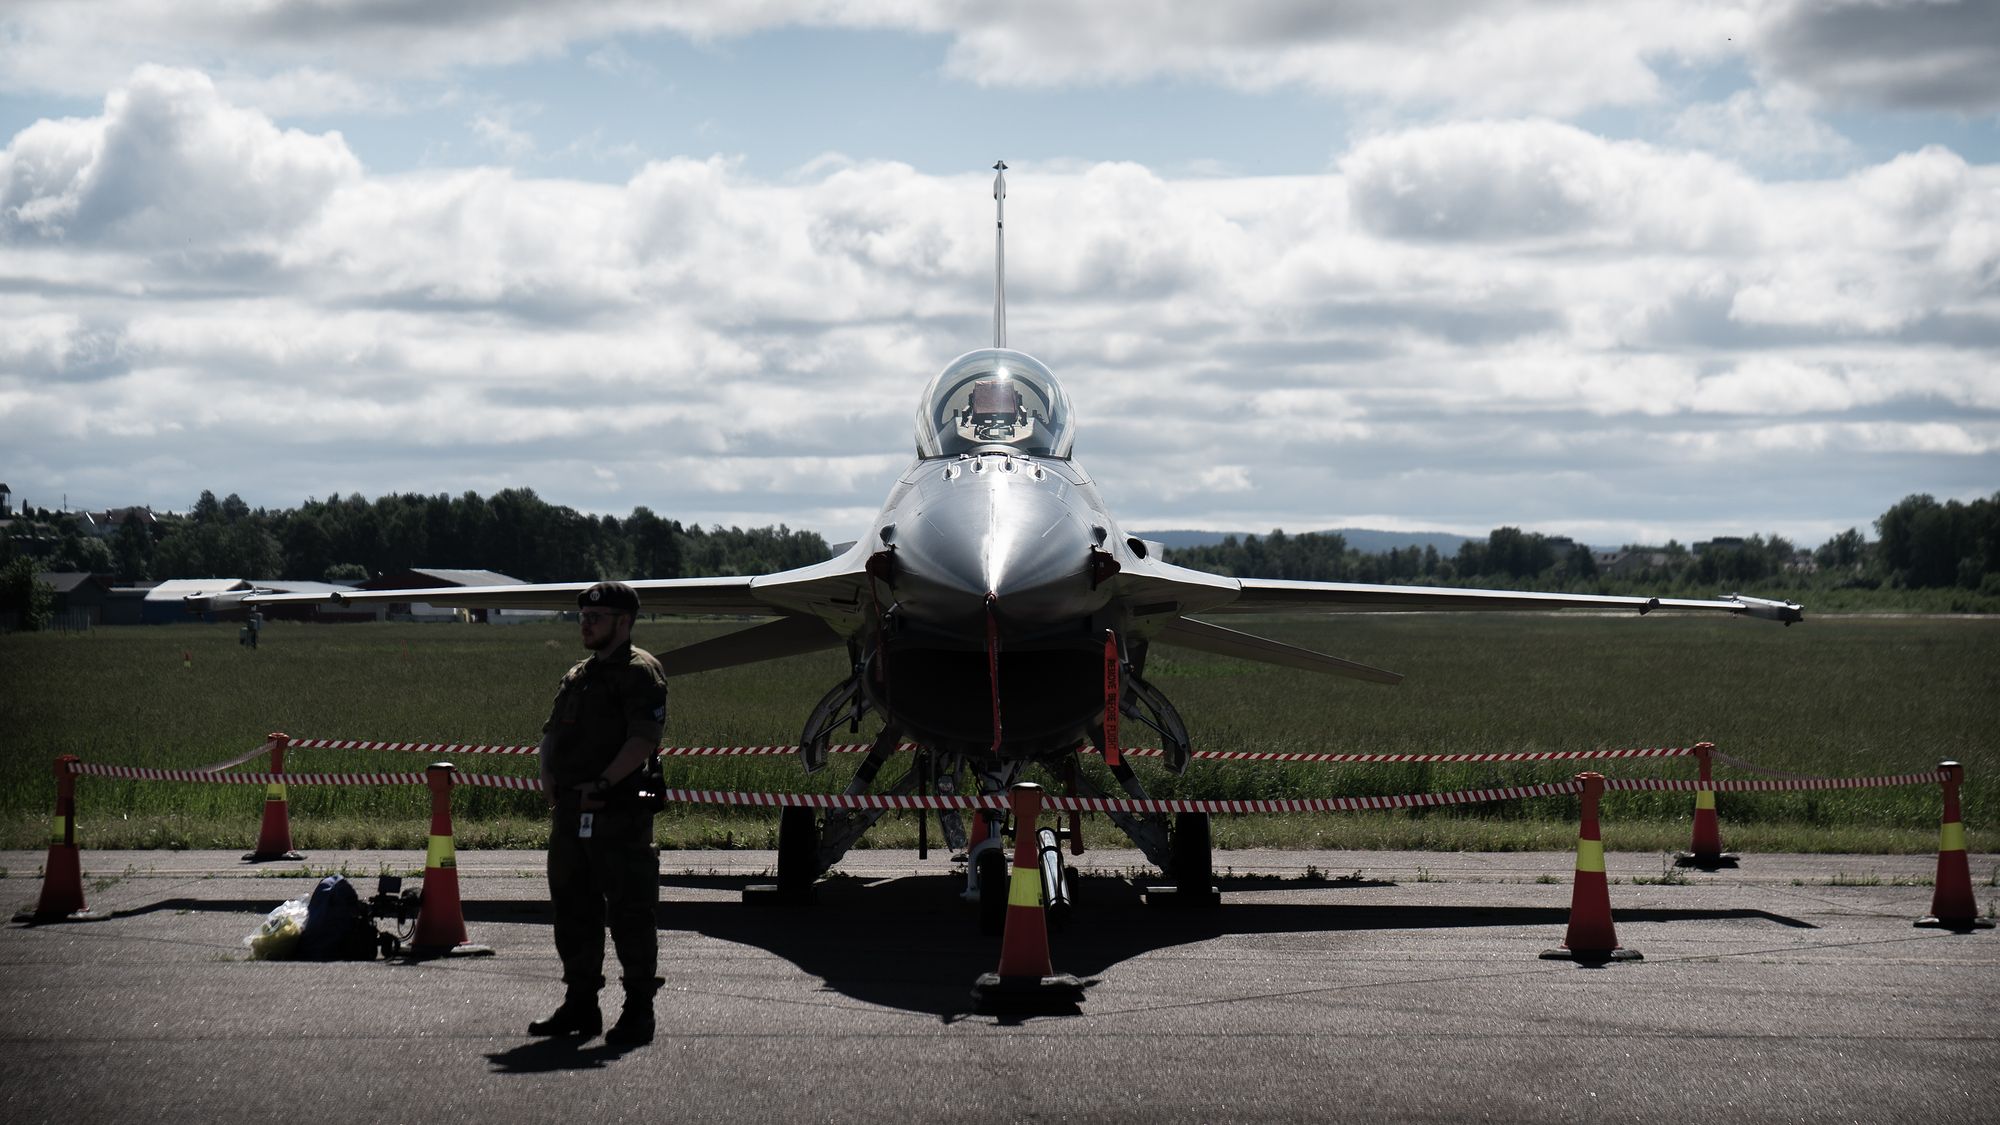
[
  {"x": 62, "y": 877},
  {"x": 1705, "y": 852},
  {"x": 440, "y": 929},
  {"x": 1591, "y": 939},
  {"x": 1952, "y": 907},
  {"x": 274, "y": 838},
  {"x": 1025, "y": 980}
]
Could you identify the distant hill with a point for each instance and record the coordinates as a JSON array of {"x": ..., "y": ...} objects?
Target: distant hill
[{"x": 1365, "y": 540}]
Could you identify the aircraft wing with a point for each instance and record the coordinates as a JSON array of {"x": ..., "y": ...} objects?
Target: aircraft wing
[
  {"x": 1273, "y": 595},
  {"x": 730, "y": 595},
  {"x": 817, "y": 607}
]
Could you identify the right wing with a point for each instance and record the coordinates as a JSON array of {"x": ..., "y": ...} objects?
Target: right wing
[{"x": 817, "y": 607}]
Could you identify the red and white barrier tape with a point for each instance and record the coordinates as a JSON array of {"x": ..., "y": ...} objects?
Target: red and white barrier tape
[
  {"x": 1791, "y": 785},
  {"x": 136, "y": 773},
  {"x": 1523, "y": 756},
  {"x": 1142, "y": 752},
  {"x": 1051, "y": 802},
  {"x": 872, "y": 801},
  {"x": 410, "y": 747}
]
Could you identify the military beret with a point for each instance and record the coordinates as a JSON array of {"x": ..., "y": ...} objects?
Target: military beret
[{"x": 609, "y": 595}]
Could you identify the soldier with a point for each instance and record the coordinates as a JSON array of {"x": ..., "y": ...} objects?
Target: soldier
[{"x": 601, "y": 742}]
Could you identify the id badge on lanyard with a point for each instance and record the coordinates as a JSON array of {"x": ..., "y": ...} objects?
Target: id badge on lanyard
[{"x": 583, "y": 826}]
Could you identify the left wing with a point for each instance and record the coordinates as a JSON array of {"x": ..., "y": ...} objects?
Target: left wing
[{"x": 1161, "y": 597}]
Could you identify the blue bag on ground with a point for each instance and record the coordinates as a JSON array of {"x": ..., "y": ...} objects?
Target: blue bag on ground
[{"x": 338, "y": 927}]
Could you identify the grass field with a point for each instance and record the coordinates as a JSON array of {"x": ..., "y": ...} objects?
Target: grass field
[{"x": 1839, "y": 696}]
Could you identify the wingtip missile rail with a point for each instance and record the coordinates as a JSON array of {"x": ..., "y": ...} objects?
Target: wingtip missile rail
[{"x": 1767, "y": 609}]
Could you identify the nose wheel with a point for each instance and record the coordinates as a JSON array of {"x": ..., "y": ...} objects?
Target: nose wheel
[{"x": 1193, "y": 866}]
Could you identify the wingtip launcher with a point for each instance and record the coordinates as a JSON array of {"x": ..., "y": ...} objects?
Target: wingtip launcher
[{"x": 1767, "y": 609}]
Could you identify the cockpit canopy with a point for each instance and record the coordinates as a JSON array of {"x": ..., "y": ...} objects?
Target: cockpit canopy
[{"x": 995, "y": 400}]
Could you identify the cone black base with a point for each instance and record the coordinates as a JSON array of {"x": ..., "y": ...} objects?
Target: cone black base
[
  {"x": 1962, "y": 925},
  {"x": 773, "y": 894},
  {"x": 261, "y": 857},
  {"x": 433, "y": 952},
  {"x": 1706, "y": 862},
  {"x": 30, "y": 918},
  {"x": 1181, "y": 898},
  {"x": 995, "y": 993},
  {"x": 1592, "y": 956}
]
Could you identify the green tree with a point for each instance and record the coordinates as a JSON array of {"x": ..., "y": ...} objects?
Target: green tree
[
  {"x": 26, "y": 599},
  {"x": 85, "y": 553},
  {"x": 132, "y": 549}
]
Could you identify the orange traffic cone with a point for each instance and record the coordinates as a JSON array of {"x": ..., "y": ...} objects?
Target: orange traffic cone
[
  {"x": 1026, "y": 980},
  {"x": 1706, "y": 850},
  {"x": 1591, "y": 936},
  {"x": 440, "y": 930},
  {"x": 62, "y": 878},
  {"x": 187, "y": 658},
  {"x": 274, "y": 839},
  {"x": 1952, "y": 907}
]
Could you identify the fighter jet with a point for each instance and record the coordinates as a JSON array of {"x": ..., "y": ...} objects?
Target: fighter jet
[{"x": 995, "y": 614}]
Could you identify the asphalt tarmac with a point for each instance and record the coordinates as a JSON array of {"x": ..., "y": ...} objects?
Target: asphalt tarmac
[{"x": 1360, "y": 986}]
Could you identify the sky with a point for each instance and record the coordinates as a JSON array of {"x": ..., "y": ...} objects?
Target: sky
[{"x": 1624, "y": 272}]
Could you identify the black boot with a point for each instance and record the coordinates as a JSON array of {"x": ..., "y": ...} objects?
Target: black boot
[
  {"x": 577, "y": 1016},
  {"x": 635, "y": 1024}
]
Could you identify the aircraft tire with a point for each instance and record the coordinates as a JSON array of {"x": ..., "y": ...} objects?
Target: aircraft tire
[
  {"x": 1194, "y": 855},
  {"x": 992, "y": 893},
  {"x": 798, "y": 847}
]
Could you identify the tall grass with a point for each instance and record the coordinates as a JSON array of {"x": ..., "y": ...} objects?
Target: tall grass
[{"x": 1840, "y": 696}]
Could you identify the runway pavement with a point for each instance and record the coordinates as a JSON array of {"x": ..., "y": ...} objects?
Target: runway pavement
[{"x": 1329, "y": 986}]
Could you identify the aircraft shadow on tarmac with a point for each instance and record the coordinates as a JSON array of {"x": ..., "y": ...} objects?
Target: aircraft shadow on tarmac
[{"x": 909, "y": 943}]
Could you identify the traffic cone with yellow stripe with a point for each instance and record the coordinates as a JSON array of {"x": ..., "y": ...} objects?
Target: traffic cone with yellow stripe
[
  {"x": 440, "y": 929},
  {"x": 1705, "y": 851},
  {"x": 1591, "y": 937},
  {"x": 274, "y": 838},
  {"x": 1026, "y": 981},
  {"x": 1952, "y": 907},
  {"x": 62, "y": 874}
]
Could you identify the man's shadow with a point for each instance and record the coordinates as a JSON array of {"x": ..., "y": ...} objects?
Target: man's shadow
[{"x": 543, "y": 1056}]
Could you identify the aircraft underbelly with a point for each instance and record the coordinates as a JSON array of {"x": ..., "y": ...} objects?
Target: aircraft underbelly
[{"x": 944, "y": 698}]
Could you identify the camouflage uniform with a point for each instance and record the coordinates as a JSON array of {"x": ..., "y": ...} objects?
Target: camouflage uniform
[{"x": 611, "y": 877}]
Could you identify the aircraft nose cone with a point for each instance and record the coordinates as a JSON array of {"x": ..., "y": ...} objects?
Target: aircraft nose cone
[{"x": 1003, "y": 536}]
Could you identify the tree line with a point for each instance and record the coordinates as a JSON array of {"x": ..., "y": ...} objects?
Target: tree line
[
  {"x": 351, "y": 538},
  {"x": 1921, "y": 544}
]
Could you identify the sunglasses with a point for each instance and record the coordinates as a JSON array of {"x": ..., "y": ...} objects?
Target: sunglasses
[{"x": 593, "y": 616}]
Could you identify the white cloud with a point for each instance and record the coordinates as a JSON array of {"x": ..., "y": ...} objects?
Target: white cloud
[
  {"x": 1911, "y": 54},
  {"x": 1540, "y": 180},
  {"x": 1491, "y": 56},
  {"x": 1774, "y": 385},
  {"x": 1500, "y": 56},
  {"x": 495, "y": 129},
  {"x": 1453, "y": 315},
  {"x": 1770, "y": 125},
  {"x": 168, "y": 163}
]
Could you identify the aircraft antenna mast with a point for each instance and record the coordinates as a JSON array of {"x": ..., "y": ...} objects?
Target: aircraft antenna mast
[{"x": 1000, "y": 254}]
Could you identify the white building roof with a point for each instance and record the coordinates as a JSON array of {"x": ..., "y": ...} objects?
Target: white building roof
[{"x": 175, "y": 589}]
